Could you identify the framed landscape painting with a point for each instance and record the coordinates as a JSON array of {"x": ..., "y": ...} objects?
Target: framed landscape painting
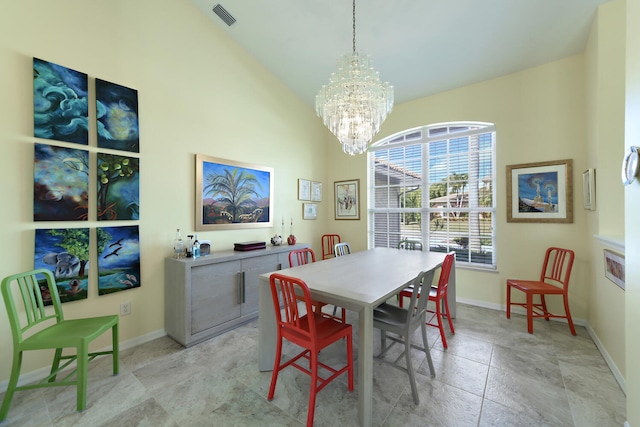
[
  {"x": 540, "y": 192},
  {"x": 118, "y": 187},
  {"x": 117, "y": 117},
  {"x": 232, "y": 195}
]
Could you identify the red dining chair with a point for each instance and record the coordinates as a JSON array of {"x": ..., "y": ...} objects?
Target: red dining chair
[
  {"x": 310, "y": 330},
  {"x": 328, "y": 242},
  {"x": 439, "y": 295},
  {"x": 554, "y": 280},
  {"x": 305, "y": 256}
]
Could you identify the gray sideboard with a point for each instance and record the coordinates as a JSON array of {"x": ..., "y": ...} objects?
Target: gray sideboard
[{"x": 212, "y": 294}]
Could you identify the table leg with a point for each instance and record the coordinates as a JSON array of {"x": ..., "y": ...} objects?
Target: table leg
[
  {"x": 365, "y": 366},
  {"x": 266, "y": 328}
]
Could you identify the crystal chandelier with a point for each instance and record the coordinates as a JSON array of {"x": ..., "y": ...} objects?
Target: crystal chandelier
[{"x": 355, "y": 102}]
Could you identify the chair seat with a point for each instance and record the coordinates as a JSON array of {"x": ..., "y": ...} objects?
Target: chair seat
[
  {"x": 327, "y": 329},
  {"x": 70, "y": 333},
  {"x": 534, "y": 286},
  {"x": 390, "y": 315}
]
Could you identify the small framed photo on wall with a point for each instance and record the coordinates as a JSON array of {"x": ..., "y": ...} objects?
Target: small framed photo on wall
[{"x": 304, "y": 189}]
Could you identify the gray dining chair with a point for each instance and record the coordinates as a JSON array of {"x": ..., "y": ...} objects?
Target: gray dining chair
[
  {"x": 403, "y": 322},
  {"x": 410, "y": 245},
  {"x": 341, "y": 249}
]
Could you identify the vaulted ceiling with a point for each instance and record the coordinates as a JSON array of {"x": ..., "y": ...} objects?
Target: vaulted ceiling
[{"x": 421, "y": 47}]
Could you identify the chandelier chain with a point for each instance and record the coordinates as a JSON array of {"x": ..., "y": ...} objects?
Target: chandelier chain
[{"x": 354, "y": 26}]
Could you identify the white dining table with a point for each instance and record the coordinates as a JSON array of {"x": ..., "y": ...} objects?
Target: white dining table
[{"x": 359, "y": 282}]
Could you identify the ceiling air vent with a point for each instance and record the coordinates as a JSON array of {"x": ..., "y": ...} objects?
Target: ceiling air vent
[{"x": 223, "y": 14}]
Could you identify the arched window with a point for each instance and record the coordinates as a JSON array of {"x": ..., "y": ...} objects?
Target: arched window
[{"x": 436, "y": 184}]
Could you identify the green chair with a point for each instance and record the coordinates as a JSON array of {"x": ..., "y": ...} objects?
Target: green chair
[
  {"x": 34, "y": 289},
  {"x": 410, "y": 245}
]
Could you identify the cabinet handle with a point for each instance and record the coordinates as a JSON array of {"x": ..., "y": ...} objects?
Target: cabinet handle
[
  {"x": 242, "y": 290},
  {"x": 280, "y": 266}
]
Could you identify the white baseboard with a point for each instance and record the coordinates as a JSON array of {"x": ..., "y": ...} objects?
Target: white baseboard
[
  {"x": 38, "y": 374},
  {"x": 582, "y": 322}
]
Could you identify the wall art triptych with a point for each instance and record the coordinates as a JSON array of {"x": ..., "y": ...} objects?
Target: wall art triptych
[{"x": 62, "y": 175}]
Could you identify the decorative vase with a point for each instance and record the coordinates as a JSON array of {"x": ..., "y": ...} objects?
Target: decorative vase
[
  {"x": 291, "y": 239},
  {"x": 276, "y": 240}
]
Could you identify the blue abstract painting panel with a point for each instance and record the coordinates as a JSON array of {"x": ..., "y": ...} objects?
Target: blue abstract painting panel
[
  {"x": 118, "y": 258},
  {"x": 117, "y": 117},
  {"x": 64, "y": 251},
  {"x": 60, "y": 183},
  {"x": 118, "y": 187},
  {"x": 60, "y": 105}
]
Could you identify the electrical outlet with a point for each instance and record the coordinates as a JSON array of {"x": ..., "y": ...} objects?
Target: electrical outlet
[{"x": 125, "y": 308}]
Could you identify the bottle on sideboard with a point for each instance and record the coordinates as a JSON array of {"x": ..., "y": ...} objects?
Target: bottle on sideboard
[
  {"x": 178, "y": 246},
  {"x": 196, "y": 247}
]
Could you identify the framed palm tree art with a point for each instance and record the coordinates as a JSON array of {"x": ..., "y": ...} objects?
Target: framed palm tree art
[{"x": 232, "y": 195}]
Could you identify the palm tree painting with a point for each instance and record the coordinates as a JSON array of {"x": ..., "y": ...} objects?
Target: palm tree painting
[
  {"x": 66, "y": 253},
  {"x": 233, "y": 194}
]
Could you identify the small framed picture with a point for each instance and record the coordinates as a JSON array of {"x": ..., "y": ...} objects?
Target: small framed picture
[
  {"x": 347, "y": 199},
  {"x": 304, "y": 189},
  {"x": 309, "y": 211},
  {"x": 614, "y": 267},
  {"x": 316, "y": 191}
]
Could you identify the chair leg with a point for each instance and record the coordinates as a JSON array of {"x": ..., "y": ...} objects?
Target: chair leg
[
  {"x": 82, "y": 362},
  {"x": 314, "y": 387},
  {"x": 440, "y": 325},
  {"x": 530, "y": 312},
  {"x": 448, "y": 313},
  {"x": 350, "y": 361},
  {"x": 276, "y": 369},
  {"x": 412, "y": 376},
  {"x": 568, "y": 313},
  {"x": 508, "y": 302},
  {"x": 427, "y": 350},
  {"x": 115, "y": 346},
  {"x": 544, "y": 307},
  {"x": 56, "y": 363},
  {"x": 11, "y": 387}
]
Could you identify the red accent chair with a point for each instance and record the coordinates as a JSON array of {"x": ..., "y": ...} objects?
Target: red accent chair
[
  {"x": 328, "y": 242},
  {"x": 439, "y": 295},
  {"x": 554, "y": 280},
  {"x": 310, "y": 330},
  {"x": 305, "y": 256}
]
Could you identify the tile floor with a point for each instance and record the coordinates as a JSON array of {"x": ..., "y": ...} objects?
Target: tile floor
[{"x": 493, "y": 374}]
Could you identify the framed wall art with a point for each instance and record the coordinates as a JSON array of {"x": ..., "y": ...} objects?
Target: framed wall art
[
  {"x": 60, "y": 183},
  {"x": 304, "y": 189},
  {"x": 64, "y": 251},
  {"x": 540, "y": 192},
  {"x": 118, "y": 187},
  {"x": 316, "y": 191},
  {"x": 117, "y": 117},
  {"x": 589, "y": 189},
  {"x": 614, "y": 267},
  {"x": 309, "y": 211},
  {"x": 118, "y": 258},
  {"x": 232, "y": 195},
  {"x": 60, "y": 103},
  {"x": 347, "y": 199}
]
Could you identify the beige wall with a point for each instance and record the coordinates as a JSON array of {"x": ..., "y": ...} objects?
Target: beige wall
[
  {"x": 200, "y": 93},
  {"x": 605, "y": 145}
]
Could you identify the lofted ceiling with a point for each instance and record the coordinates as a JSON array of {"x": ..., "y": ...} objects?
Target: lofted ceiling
[{"x": 421, "y": 47}]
